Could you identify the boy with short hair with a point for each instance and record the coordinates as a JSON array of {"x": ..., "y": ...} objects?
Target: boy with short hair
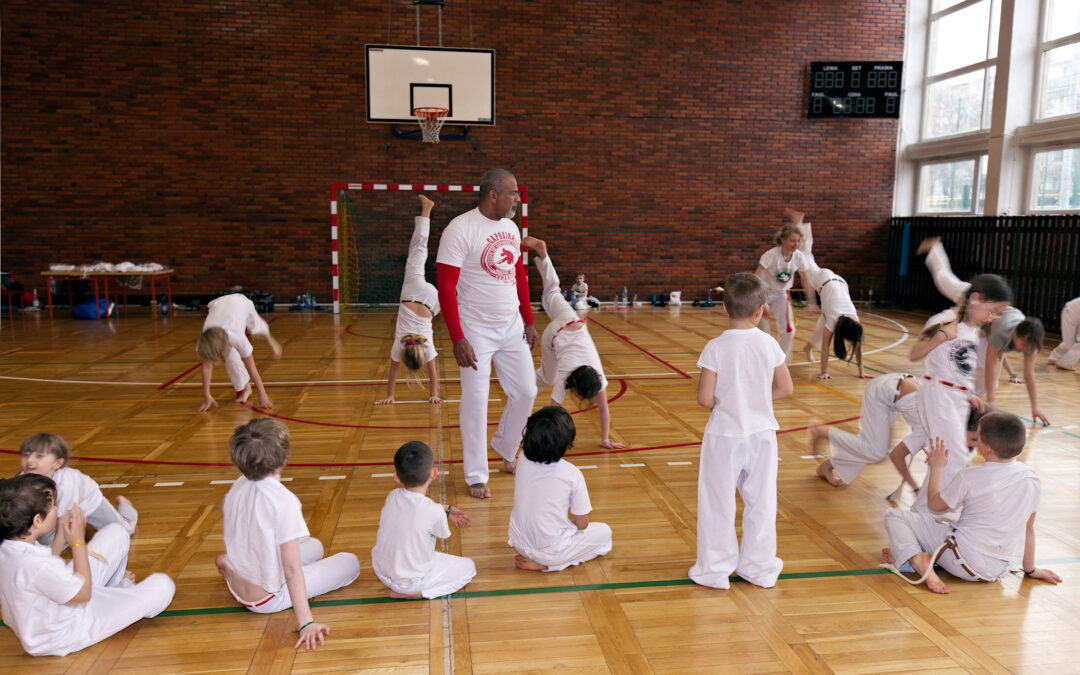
[
  {"x": 996, "y": 500},
  {"x": 739, "y": 450},
  {"x": 404, "y": 557},
  {"x": 223, "y": 338},
  {"x": 270, "y": 562}
]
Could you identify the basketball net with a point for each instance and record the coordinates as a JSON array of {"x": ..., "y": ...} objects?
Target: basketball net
[{"x": 431, "y": 122}]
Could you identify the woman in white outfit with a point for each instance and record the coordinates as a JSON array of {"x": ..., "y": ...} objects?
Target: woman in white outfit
[{"x": 777, "y": 267}]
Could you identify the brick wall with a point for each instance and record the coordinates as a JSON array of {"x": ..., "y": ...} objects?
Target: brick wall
[{"x": 658, "y": 139}]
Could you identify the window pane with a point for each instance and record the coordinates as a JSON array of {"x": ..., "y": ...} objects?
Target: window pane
[
  {"x": 959, "y": 39},
  {"x": 954, "y": 106},
  {"x": 1061, "y": 81},
  {"x": 988, "y": 107},
  {"x": 946, "y": 187},
  {"x": 944, "y": 4},
  {"x": 981, "y": 208},
  {"x": 1063, "y": 18},
  {"x": 1057, "y": 180}
]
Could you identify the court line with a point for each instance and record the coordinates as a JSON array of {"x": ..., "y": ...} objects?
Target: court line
[
  {"x": 180, "y": 376},
  {"x": 640, "y": 348}
]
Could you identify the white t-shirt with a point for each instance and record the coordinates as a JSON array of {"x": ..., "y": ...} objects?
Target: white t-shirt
[
  {"x": 581, "y": 289},
  {"x": 405, "y": 543},
  {"x": 956, "y": 360},
  {"x": 779, "y": 274},
  {"x": 744, "y": 361},
  {"x": 409, "y": 322},
  {"x": 487, "y": 251},
  {"x": 835, "y": 297},
  {"x": 230, "y": 313},
  {"x": 34, "y": 585},
  {"x": 574, "y": 348},
  {"x": 75, "y": 487},
  {"x": 543, "y": 493},
  {"x": 996, "y": 499},
  {"x": 259, "y": 517}
]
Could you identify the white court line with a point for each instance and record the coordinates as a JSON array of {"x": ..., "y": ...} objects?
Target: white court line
[
  {"x": 113, "y": 485},
  {"x": 332, "y": 477},
  {"x": 223, "y": 482},
  {"x": 630, "y": 466},
  {"x": 284, "y": 480},
  {"x": 587, "y": 466},
  {"x": 812, "y": 456},
  {"x": 679, "y": 463},
  {"x": 173, "y": 484},
  {"x": 382, "y": 475}
]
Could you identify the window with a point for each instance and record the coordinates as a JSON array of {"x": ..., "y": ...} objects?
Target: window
[
  {"x": 947, "y": 187},
  {"x": 1059, "y": 85},
  {"x": 960, "y": 67},
  {"x": 1056, "y": 182}
]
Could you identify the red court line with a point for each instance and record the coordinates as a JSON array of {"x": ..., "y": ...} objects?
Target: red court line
[
  {"x": 179, "y": 377},
  {"x": 345, "y": 465},
  {"x": 639, "y": 348}
]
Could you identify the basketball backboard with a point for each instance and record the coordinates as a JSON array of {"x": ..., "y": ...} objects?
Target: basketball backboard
[{"x": 400, "y": 79}]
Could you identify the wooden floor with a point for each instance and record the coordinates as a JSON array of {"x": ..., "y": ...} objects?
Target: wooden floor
[{"x": 126, "y": 391}]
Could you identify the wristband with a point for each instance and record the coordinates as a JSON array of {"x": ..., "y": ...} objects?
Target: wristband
[
  {"x": 448, "y": 507},
  {"x": 1033, "y": 571},
  {"x": 77, "y": 543},
  {"x": 301, "y": 629}
]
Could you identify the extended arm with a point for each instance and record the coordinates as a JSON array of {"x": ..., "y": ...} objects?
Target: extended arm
[
  {"x": 781, "y": 382},
  {"x": 991, "y": 371},
  {"x": 311, "y": 634},
  {"x": 858, "y": 362},
  {"x": 74, "y": 529},
  {"x": 605, "y": 422},
  {"x": 924, "y": 346},
  {"x": 1029, "y": 557},
  {"x": 524, "y": 306},
  {"x": 433, "y": 377},
  {"x": 936, "y": 458},
  {"x": 207, "y": 370},
  {"x": 899, "y": 458},
  {"x": 826, "y": 345},
  {"x": 391, "y": 382},
  {"x": 1029, "y": 382}
]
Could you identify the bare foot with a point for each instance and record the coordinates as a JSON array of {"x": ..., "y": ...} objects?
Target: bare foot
[
  {"x": 479, "y": 491},
  {"x": 887, "y": 556},
  {"x": 425, "y": 201},
  {"x": 523, "y": 563},
  {"x": 825, "y": 470},
  {"x": 921, "y": 563},
  {"x": 510, "y": 467},
  {"x": 537, "y": 246},
  {"x": 244, "y": 394},
  {"x": 927, "y": 244},
  {"x": 1065, "y": 369},
  {"x": 129, "y": 576},
  {"x": 275, "y": 346},
  {"x": 123, "y": 500},
  {"x": 808, "y": 352},
  {"x": 395, "y": 594},
  {"x": 815, "y": 431}
]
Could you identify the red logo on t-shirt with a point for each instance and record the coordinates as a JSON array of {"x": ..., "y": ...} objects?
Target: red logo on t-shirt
[{"x": 500, "y": 256}]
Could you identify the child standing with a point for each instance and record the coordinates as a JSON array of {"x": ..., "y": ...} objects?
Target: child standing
[
  {"x": 996, "y": 501},
  {"x": 777, "y": 268},
  {"x": 56, "y": 608},
  {"x": 739, "y": 449},
  {"x": 413, "y": 340},
  {"x": 404, "y": 558},
  {"x": 270, "y": 562},
  {"x": 546, "y": 487},
  {"x": 223, "y": 338},
  {"x": 47, "y": 455}
]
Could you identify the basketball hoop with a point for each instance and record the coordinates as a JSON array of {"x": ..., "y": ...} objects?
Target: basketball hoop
[{"x": 431, "y": 122}]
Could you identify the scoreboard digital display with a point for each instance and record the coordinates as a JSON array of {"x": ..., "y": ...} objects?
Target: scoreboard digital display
[{"x": 855, "y": 89}]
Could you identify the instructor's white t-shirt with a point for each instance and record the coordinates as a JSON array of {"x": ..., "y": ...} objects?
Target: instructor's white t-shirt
[
  {"x": 487, "y": 251},
  {"x": 744, "y": 360},
  {"x": 259, "y": 517},
  {"x": 405, "y": 543}
]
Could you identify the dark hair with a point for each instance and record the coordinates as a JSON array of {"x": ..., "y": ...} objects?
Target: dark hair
[
  {"x": 21, "y": 498},
  {"x": 50, "y": 443},
  {"x": 413, "y": 462},
  {"x": 1004, "y": 433},
  {"x": 991, "y": 287},
  {"x": 260, "y": 447},
  {"x": 847, "y": 330},
  {"x": 744, "y": 292},
  {"x": 549, "y": 433},
  {"x": 584, "y": 381},
  {"x": 1031, "y": 329},
  {"x": 973, "y": 419}
]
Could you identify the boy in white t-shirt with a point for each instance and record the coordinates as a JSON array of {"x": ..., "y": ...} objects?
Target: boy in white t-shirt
[
  {"x": 996, "y": 500},
  {"x": 270, "y": 562},
  {"x": 224, "y": 338},
  {"x": 546, "y": 487},
  {"x": 404, "y": 557},
  {"x": 56, "y": 608},
  {"x": 742, "y": 372},
  {"x": 579, "y": 292}
]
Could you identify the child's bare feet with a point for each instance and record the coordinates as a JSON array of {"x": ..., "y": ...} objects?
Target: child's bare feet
[
  {"x": 425, "y": 201},
  {"x": 815, "y": 431},
  {"x": 395, "y": 594},
  {"x": 479, "y": 491},
  {"x": 523, "y": 563},
  {"x": 825, "y": 470},
  {"x": 275, "y": 346},
  {"x": 244, "y": 394},
  {"x": 808, "y": 352},
  {"x": 927, "y": 244},
  {"x": 924, "y": 565},
  {"x": 129, "y": 576},
  {"x": 537, "y": 246},
  {"x": 510, "y": 467},
  {"x": 123, "y": 500},
  {"x": 887, "y": 556}
]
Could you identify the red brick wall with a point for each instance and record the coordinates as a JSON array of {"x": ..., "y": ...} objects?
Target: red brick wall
[{"x": 658, "y": 139}]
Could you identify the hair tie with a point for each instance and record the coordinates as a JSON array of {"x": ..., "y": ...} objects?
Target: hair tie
[{"x": 411, "y": 342}]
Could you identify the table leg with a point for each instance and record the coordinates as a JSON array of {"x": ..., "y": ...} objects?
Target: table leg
[
  {"x": 97, "y": 299},
  {"x": 168, "y": 290}
]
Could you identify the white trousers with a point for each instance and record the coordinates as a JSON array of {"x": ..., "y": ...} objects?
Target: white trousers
[
  {"x": 321, "y": 575},
  {"x": 784, "y": 316},
  {"x": 506, "y": 347},
  {"x": 415, "y": 287},
  {"x": 123, "y": 515},
  {"x": 582, "y": 546},
  {"x": 1067, "y": 354},
  {"x": 560, "y": 314},
  {"x": 943, "y": 413},
  {"x": 234, "y": 365},
  {"x": 911, "y": 533},
  {"x": 947, "y": 283},
  {"x": 850, "y": 453},
  {"x": 448, "y": 574},
  {"x": 748, "y": 465}
]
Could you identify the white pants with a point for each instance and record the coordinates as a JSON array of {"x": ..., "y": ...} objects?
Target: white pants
[
  {"x": 911, "y": 533},
  {"x": 784, "y": 316},
  {"x": 850, "y": 453},
  {"x": 505, "y": 346},
  {"x": 748, "y": 464},
  {"x": 123, "y": 515},
  {"x": 321, "y": 575},
  {"x": 448, "y": 574},
  {"x": 1067, "y": 354},
  {"x": 582, "y": 546},
  {"x": 947, "y": 283},
  {"x": 560, "y": 314},
  {"x": 234, "y": 365},
  {"x": 416, "y": 288},
  {"x": 943, "y": 413}
]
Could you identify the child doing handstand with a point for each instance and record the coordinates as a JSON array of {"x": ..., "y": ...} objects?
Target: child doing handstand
[
  {"x": 56, "y": 608},
  {"x": 223, "y": 338},
  {"x": 413, "y": 340},
  {"x": 270, "y": 562},
  {"x": 404, "y": 557},
  {"x": 838, "y": 323},
  {"x": 546, "y": 487}
]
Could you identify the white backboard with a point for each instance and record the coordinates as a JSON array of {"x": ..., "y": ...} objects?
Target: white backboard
[{"x": 402, "y": 78}]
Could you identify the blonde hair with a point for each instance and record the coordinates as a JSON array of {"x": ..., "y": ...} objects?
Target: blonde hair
[
  {"x": 212, "y": 344},
  {"x": 412, "y": 353},
  {"x": 785, "y": 232}
]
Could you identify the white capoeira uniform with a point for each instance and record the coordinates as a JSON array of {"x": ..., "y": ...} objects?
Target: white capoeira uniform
[
  {"x": 779, "y": 275},
  {"x": 75, "y": 487},
  {"x": 404, "y": 558},
  {"x": 1067, "y": 354},
  {"x": 234, "y": 314},
  {"x": 738, "y": 451},
  {"x": 416, "y": 288},
  {"x": 995, "y": 501},
  {"x": 539, "y": 527},
  {"x": 35, "y": 585},
  {"x": 835, "y": 297},
  {"x": 881, "y": 405},
  {"x": 566, "y": 343},
  {"x": 261, "y": 515},
  {"x": 488, "y": 253}
]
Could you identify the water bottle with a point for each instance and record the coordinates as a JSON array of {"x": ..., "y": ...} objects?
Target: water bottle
[
  {"x": 870, "y": 294},
  {"x": 52, "y": 285},
  {"x": 36, "y": 303}
]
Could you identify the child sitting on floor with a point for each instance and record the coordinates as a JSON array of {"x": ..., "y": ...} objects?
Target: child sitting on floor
[{"x": 404, "y": 557}]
